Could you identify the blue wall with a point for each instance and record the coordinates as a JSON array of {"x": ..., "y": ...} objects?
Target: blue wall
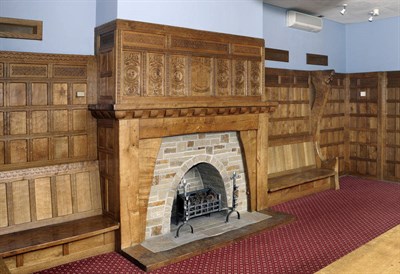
[
  {"x": 373, "y": 46},
  {"x": 241, "y": 17},
  {"x": 68, "y": 25},
  {"x": 329, "y": 41}
]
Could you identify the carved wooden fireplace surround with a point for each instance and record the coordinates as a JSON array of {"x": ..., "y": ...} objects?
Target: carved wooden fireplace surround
[{"x": 157, "y": 81}]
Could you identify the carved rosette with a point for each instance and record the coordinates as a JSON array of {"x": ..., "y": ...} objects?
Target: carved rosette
[
  {"x": 178, "y": 75},
  {"x": 240, "y": 78},
  {"x": 255, "y": 78},
  {"x": 223, "y": 77},
  {"x": 131, "y": 73},
  {"x": 201, "y": 78},
  {"x": 155, "y": 74}
]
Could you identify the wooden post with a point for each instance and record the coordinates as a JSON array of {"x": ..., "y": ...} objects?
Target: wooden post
[
  {"x": 128, "y": 170},
  {"x": 248, "y": 140},
  {"x": 262, "y": 161},
  {"x": 382, "y": 121},
  {"x": 346, "y": 134}
]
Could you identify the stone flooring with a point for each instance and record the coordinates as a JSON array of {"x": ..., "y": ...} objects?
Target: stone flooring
[{"x": 203, "y": 227}]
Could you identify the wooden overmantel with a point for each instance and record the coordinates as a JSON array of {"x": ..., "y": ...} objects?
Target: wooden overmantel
[{"x": 156, "y": 81}]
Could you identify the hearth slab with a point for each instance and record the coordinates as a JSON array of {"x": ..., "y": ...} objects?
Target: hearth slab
[{"x": 148, "y": 260}]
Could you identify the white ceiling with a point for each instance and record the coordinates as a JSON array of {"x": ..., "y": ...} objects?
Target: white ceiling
[{"x": 357, "y": 10}]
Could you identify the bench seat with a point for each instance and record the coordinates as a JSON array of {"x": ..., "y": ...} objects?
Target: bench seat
[
  {"x": 298, "y": 178},
  {"x": 61, "y": 241}
]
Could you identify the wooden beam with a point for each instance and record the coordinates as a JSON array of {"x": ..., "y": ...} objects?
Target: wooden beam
[
  {"x": 21, "y": 28},
  {"x": 278, "y": 55},
  {"x": 155, "y": 128},
  {"x": 317, "y": 59}
]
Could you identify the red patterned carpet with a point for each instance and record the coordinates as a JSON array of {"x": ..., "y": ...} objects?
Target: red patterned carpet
[{"x": 329, "y": 225}]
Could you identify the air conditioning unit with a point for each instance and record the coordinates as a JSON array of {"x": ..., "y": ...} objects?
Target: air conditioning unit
[{"x": 298, "y": 20}]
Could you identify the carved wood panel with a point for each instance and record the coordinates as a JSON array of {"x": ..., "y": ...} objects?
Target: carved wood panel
[
  {"x": 132, "y": 74},
  {"x": 155, "y": 71},
  {"x": 158, "y": 60},
  {"x": 201, "y": 76},
  {"x": 223, "y": 77},
  {"x": 178, "y": 75}
]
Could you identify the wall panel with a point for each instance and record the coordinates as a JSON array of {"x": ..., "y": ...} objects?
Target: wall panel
[
  {"x": 333, "y": 122},
  {"x": 363, "y": 124},
  {"x": 44, "y": 117},
  {"x": 40, "y": 196},
  {"x": 290, "y": 89},
  {"x": 392, "y": 149}
]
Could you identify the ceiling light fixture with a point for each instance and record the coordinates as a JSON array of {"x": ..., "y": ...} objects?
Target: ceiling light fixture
[
  {"x": 373, "y": 13},
  {"x": 343, "y": 11}
]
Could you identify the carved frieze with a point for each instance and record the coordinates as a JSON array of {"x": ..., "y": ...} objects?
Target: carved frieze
[
  {"x": 177, "y": 75},
  {"x": 255, "y": 78},
  {"x": 155, "y": 74},
  {"x": 69, "y": 71},
  {"x": 247, "y": 50},
  {"x": 28, "y": 70},
  {"x": 137, "y": 39},
  {"x": 240, "y": 77},
  {"x": 1, "y": 70},
  {"x": 223, "y": 77},
  {"x": 201, "y": 76},
  {"x": 32, "y": 173},
  {"x": 131, "y": 73},
  {"x": 192, "y": 44}
]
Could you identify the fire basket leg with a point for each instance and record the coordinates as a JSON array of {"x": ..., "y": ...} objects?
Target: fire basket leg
[
  {"x": 179, "y": 228},
  {"x": 229, "y": 214}
]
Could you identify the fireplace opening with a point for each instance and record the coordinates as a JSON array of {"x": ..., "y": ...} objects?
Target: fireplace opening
[{"x": 200, "y": 180}]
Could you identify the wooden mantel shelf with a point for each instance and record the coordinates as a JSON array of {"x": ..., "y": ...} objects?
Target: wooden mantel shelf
[{"x": 154, "y": 107}]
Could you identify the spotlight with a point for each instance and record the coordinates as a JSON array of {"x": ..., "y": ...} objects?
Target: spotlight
[
  {"x": 343, "y": 11},
  {"x": 373, "y": 13}
]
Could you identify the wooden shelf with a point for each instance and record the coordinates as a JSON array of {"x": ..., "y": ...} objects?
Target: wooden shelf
[{"x": 20, "y": 28}]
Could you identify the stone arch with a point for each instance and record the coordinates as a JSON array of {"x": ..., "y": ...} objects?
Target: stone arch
[{"x": 186, "y": 166}]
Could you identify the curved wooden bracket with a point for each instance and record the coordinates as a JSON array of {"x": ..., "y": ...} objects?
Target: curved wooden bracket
[{"x": 332, "y": 163}]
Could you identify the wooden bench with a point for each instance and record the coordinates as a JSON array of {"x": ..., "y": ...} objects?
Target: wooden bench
[
  {"x": 52, "y": 215},
  {"x": 297, "y": 169},
  {"x": 44, "y": 247}
]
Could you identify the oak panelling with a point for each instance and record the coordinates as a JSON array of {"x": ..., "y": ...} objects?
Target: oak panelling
[
  {"x": 41, "y": 196},
  {"x": 291, "y": 90},
  {"x": 158, "y": 60},
  {"x": 110, "y": 188},
  {"x": 3, "y": 206},
  {"x": 392, "y": 149},
  {"x": 332, "y": 128},
  {"x": 291, "y": 156},
  {"x": 363, "y": 124},
  {"x": 44, "y": 117}
]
